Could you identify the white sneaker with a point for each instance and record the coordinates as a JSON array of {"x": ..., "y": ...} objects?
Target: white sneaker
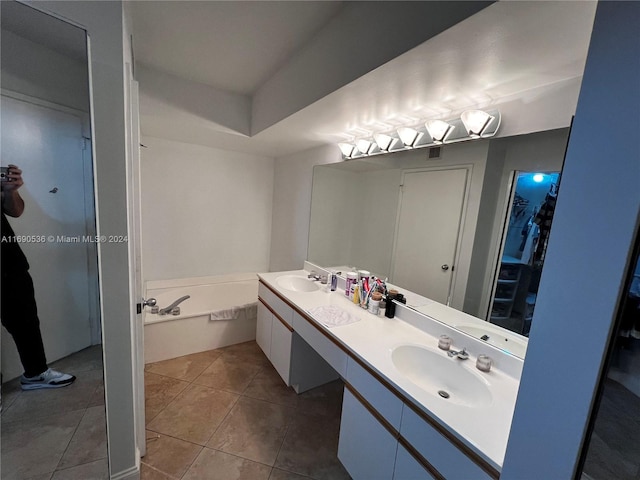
[{"x": 47, "y": 379}]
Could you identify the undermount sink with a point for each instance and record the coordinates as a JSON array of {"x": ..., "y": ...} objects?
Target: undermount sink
[
  {"x": 444, "y": 377},
  {"x": 296, "y": 283}
]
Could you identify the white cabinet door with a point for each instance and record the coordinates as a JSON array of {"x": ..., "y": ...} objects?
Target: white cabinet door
[
  {"x": 438, "y": 450},
  {"x": 408, "y": 468},
  {"x": 263, "y": 329},
  {"x": 366, "y": 449},
  {"x": 281, "y": 349}
]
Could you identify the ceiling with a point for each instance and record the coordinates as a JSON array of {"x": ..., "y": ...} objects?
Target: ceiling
[
  {"x": 523, "y": 57},
  {"x": 44, "y": 29},
  {"x": 515, "y": 53},
  {"x": 230, "y": 45}
]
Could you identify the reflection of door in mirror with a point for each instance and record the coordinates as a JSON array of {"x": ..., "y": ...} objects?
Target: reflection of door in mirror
[
  {"x": 428, "y": 230},
  {"x": 46, "y": 133},
  {"x": 523, "y": 250}
]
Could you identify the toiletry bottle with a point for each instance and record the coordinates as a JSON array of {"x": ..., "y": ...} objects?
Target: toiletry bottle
[
  {"x": 374, "y": 303},
  {"x": 390, "y": 310},
  {"x": 352, "y": 279},
  {"x": 334, "y": 281}
]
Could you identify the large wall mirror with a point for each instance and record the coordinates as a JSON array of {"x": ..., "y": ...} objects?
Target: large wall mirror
[
  {"x": 46, "y": 132},
  {"x": 439, "y": 227}
]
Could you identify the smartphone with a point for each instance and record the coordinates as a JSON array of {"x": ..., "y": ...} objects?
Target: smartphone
[{"x": 4, "y": 172}]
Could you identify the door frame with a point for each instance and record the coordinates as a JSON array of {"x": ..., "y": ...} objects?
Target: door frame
[
  {"x": 132, "y": 117},
  {"x": 463, "y": 215}
]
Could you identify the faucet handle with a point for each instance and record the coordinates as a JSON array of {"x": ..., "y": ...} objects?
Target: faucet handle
[
  {"x": 483, "y": 362},
  {"x": 150, "y": 302}
]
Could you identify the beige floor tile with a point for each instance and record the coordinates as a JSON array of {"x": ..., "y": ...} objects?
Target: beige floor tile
[
  {"x": 230, "y": 373},
  {"x": 194, "y": 414},
  {"x": 44, "y": 476},
  {"x": 277, "y": 474},
  {"x": 185, "y": 368},
  {"x": 44, "y": 439},
  {"x": 254, "y": 430},
  {"x": 54, "y": 401},
  {"x": 159, "y": 391},
  {"x": 88, "y": 359},
  {"x": 10, "y": 392},
  {"x": 170, "y": 455},
  {"x": 249, "y": 352},
  {"x": 98, "y": 470},
  {"x": 323, "y": 400},
  {"x": 215, "y": 465},
  {"x": 310, "y": 447},
  {"x": 267, "y": 385},
  {"x": 150, "y": 473},
  {"x": 89, "y": 443},
  {"x": 97, "y": 399}
]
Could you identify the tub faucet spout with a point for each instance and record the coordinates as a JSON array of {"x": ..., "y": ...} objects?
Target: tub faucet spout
[{"x": 164, "y": 311}]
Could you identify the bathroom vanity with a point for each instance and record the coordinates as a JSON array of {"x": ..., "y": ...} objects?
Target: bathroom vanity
[{"x": 410, "y": 410}]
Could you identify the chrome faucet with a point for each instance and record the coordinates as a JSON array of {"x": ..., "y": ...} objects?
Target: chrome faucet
[
  {"x": 313, "y": 275},
  {"x": 164, "y": 311},
  {"x": 461, "y": 354}
]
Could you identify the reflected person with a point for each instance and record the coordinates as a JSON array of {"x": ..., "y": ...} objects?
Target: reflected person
[{"x": 17, "y": 303}]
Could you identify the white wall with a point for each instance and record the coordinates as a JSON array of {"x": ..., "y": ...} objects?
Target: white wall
[
  {"x": 292, "y": 205},
  {"x": 205, "y": 211},
  {"x": 595, "y": 225},
  {"x": 334, "y": 207},
  {"x": 32, "y": 69}
]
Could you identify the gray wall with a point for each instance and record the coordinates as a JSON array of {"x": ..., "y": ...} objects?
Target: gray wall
[{"x": 595, "y": 224}]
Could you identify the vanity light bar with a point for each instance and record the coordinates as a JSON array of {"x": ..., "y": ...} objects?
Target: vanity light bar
[{"x": 471, "y": 124}]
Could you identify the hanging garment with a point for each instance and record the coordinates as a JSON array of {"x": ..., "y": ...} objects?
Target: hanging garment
[
  {"x": 531, "y": 242},
  {"x": 544, "y": 219}
]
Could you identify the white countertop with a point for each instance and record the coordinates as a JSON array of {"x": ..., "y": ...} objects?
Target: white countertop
[{"x": 485, "y": 429}]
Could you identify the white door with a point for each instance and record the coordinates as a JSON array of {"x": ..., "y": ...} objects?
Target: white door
[
  {"x": 47, "y": 142},
  {"x": 428, "y": 229}
]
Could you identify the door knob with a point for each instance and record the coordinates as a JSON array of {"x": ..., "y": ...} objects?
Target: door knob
[{"x": 445, "y": 267}]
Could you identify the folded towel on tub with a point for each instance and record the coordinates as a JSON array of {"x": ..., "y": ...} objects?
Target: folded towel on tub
[{"x": 225, "y": 314}]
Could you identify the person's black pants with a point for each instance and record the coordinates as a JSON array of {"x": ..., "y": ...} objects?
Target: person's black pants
[{"x": 20, "y": 317}]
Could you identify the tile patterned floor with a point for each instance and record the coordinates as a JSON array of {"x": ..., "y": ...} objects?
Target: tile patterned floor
[
  {"x": 226, "y": 414},
  {"x": 614, "y": 450},
  {"x": 57, "y": 434}
]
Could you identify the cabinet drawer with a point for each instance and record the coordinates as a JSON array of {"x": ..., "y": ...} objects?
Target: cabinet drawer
[
  {"x": 408, "y": 468},
  {"x": 366, "y": 448},
  {"x": 374, "y": 392},
  {"x": 276, "y": 303},
  {"x": 438, "y": 450},
  {"x": 328, "y": 350}
]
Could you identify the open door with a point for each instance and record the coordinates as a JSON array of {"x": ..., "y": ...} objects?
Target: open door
[
  {"x": 524, "y": 246},
  {"x": 135, "y": 244}
]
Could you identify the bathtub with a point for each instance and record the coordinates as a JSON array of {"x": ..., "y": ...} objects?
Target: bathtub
[{"x": 222, "y": 311}]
